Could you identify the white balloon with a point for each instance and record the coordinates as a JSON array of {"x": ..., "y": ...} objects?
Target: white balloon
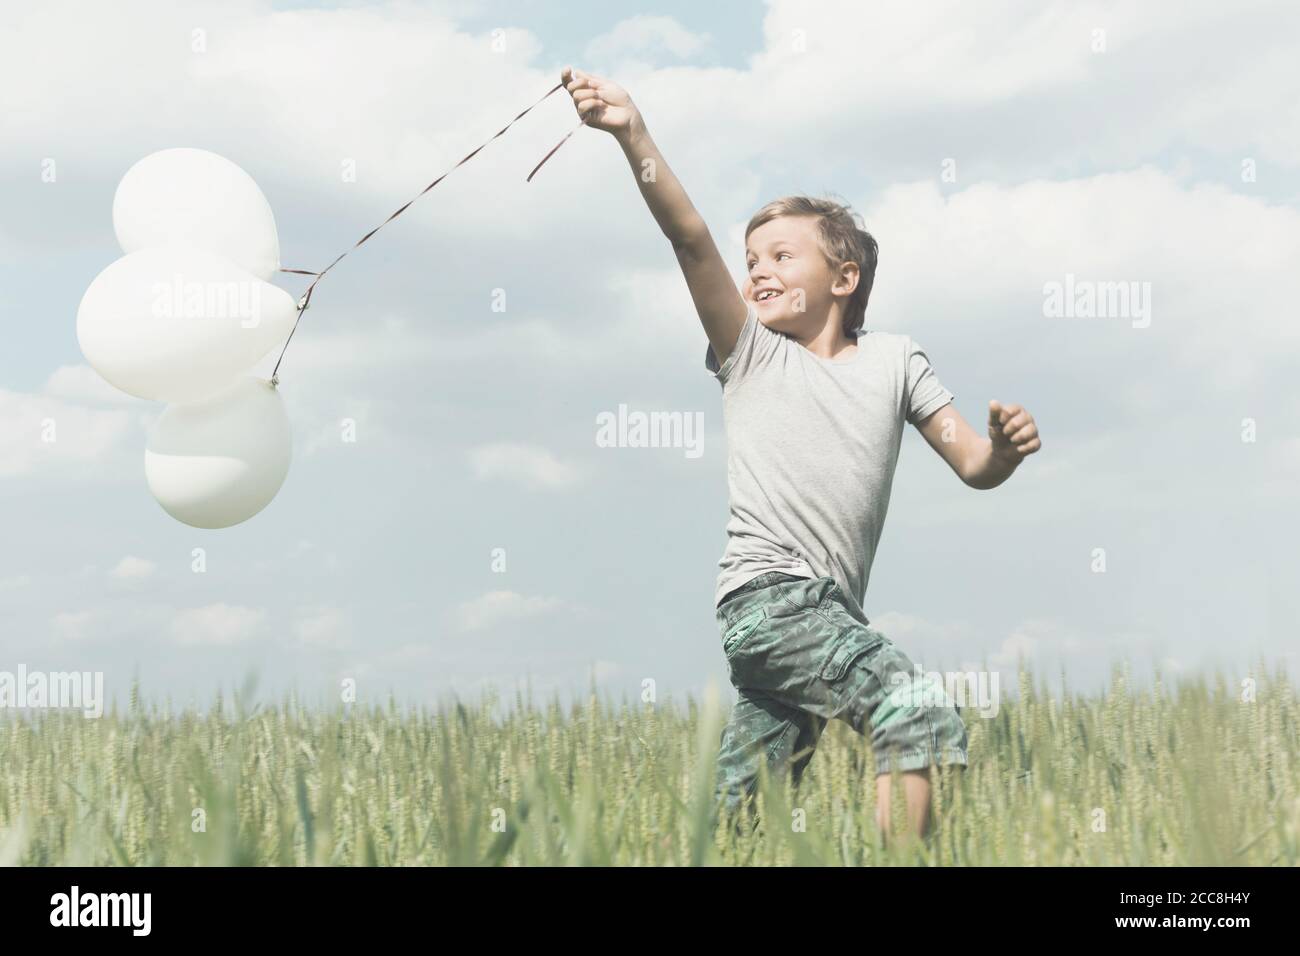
[
  {"x": 219, "y": 461},
  {"x": 197, "y": 198},
  {"x": 177, "y": 324}
]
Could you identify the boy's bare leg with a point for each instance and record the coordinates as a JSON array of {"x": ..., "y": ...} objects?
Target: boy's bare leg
[{"x": 916, "y": 790}]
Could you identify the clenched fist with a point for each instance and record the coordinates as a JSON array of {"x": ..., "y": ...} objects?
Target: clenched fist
[
  {"x": 1012, "y": 431},
  {"x": 601, "y": 103}
]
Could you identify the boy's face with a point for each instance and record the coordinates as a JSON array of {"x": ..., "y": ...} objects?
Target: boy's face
[{"x": 789, "y": 280}]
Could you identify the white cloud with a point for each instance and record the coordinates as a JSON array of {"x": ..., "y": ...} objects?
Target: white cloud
[
  {"x": 287, "y": 557},
  {"x": 37, "y": 431},
  {"x": 1221, "y": 257},
  {"x": 232, "y": 77},
  {"x": 524, "y": 464},
  {"x": 266, "y": 65},
  {"x": 403, "y": 659},
  {"x": 110, "y": 623},
  {"x": 922, "y": 53},
  {"x": 929, "y": 643},
  {"x": 642, "y": 36},
  {"x": 1040, "y": 638},
  {"x": 1160, "y": 81},
  {"x": 76, "y": 625},
  {"x": 322, "y": 627},
  {"x": 15, "y": 583},
  {"x": 133, "y": 569},
  {"x": 81, "y": 383},
  {"x": 380, "y": 344},
  {"x": 218, "y": 625},
  {"x": 1020, "y": 644},
  {"x": 354, "y": 419},
  {"x": 656, "y": 315},
  {"x": 502, "y": 607}
]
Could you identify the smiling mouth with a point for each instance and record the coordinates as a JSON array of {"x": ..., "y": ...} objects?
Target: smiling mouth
[{"x": 768, "y": 296}]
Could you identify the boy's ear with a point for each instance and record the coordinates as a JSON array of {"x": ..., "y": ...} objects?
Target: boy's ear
[{"x": 849, "y": 275}]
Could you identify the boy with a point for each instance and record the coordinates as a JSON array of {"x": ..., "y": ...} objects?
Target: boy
[{"x": 814, "y": 408}]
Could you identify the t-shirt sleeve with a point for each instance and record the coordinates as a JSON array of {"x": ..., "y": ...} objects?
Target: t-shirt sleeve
[
  {"x": 924, "y": 393},
  {"x": 757, "y": 346}
]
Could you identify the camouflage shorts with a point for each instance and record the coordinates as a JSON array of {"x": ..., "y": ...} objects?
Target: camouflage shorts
[{"x": 799, "y": 656}]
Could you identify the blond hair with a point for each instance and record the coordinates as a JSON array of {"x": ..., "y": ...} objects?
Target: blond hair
[{"x": 842, "y": 237}]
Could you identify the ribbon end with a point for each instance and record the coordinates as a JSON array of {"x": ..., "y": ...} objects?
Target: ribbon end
[{"x": 553, "y": 149}]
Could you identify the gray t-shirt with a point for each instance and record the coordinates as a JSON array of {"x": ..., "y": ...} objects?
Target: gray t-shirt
[{"x": 811, "y": 450}]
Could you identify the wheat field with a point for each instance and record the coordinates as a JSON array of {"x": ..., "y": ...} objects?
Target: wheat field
[{"x": 1191, "y": 774}]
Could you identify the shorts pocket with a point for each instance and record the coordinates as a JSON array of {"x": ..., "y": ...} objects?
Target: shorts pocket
[
  {"x": 741, "y": 629},
  {"x": 806, "y": 594},
  {"x": 846, "y": 649}
]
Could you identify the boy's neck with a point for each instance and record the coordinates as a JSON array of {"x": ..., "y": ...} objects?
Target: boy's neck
[{"x": 830, "y": 342}]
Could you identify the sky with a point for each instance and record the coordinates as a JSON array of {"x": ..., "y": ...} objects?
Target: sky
[{"x": 476, "y": 537}]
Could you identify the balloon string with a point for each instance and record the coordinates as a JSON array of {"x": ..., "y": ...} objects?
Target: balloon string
[{"x": 305, "y": 301}]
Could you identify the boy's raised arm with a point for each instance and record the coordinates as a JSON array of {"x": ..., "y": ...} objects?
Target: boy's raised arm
[{"x": 607, "y": 106}]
